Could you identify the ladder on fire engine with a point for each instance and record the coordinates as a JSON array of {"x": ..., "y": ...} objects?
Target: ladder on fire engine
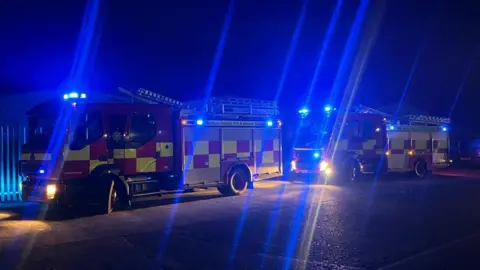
[
  {"x": 150, "y": 97},
  {"x": 364, "y": 109},
  {"x": 227, "y": 106},
  {"x": 411, "y": 119},
  {"x": 428, "y": 120}
]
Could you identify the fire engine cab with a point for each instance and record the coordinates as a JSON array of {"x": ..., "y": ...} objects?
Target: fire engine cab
[
  {"x": 110, "y": 150},
  {"x": 341, "y": 146}
]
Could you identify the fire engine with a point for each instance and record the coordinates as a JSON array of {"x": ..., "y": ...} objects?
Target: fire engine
[
  {"x": 111, "y": 150},
  {"x": 342, "y": 146}
]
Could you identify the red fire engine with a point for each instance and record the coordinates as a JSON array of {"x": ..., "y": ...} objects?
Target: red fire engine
[
  {"x": 342, "y": 146},
  {"x": 111, "y": 150}
]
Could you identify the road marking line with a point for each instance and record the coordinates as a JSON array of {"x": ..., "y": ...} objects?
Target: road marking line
[{"x": 430, "y": 251}]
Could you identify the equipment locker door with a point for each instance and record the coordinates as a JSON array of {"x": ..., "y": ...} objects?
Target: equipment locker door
[
  {"x": 267, "y": 150},
  {"x": 440, "y": 147},
  {"x": 201, "y": 159},
  {"x": 420, "y": 148},
  {"x": 398, "y": 157}
]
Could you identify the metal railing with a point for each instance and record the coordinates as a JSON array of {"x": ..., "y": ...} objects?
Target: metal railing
[{"x": 11, "y": 140}]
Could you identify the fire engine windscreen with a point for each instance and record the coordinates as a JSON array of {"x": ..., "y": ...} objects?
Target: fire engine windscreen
[
  {"x": 44, "y": 124},
  {"x": 40, "y": 131},
  {"x": 314, "y": 131}
]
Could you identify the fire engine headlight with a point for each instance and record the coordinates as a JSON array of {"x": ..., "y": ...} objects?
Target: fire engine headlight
[
  {"x": 51, "y": 190},
  {"x": 293, "y": 165},
  {"x": 323, "y": 166}
]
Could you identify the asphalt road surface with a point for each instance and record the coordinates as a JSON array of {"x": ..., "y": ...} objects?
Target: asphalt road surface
[{"x": 390, "y": 224}]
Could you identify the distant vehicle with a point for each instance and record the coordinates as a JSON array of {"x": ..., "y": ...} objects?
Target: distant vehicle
[
  {"x": 344, "y": 145},
  {"x": 468, "y": 151},
  {"x": 110, "y": 151}
]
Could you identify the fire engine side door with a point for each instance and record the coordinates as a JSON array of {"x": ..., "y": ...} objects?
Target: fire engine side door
[
  {"x": 116, "y": 143},
  {"x": 140, "y": 146}
]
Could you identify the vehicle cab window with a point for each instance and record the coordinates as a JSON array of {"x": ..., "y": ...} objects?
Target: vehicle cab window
[
  {"x": 117, "y": 128},
  {"x": 368, "y": 130},
  {"x": 143, "y": 128},
  {"x": 354, "y": 127},
  {"x": 88, "y": 129}
]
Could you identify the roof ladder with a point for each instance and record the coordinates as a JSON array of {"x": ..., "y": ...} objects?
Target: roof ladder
[
  {"x": 242, "y": 107},
  {"x": 151, "y": 97},
  {"x": 367, "y": 110},
  {"x": 428, "y": 120}
]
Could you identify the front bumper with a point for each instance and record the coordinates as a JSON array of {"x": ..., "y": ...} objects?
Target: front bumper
[
  {"x": 43, "y": 191},
  {"x": 311, "y": 177}
]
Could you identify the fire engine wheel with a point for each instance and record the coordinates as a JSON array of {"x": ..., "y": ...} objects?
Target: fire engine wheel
[
  {"x": 421, "y": 169},
  {"x": 350, "y": 172},
  {"x": 237, "y": 183},
  {"x": 112, "y": 200}
]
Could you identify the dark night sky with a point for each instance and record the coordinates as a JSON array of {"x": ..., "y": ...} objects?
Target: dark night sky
[{"x": 169, "y": 47}]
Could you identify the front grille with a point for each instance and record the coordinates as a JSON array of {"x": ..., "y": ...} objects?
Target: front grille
[
  {"x": 307, "y": 156},
  {"x": 307, "y": 166}
]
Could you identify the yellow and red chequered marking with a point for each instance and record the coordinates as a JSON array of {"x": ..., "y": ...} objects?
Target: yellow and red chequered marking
[
  {"x": 202, "y": 154},
  {"x": 412, "y": 150},
  {"x": 143, "y": 159},
  {"x": 267, "y": 151},
  {"x": 234, "y": 149},
  {"x": 368, "y": 148},
  {"x": 84, "y": 160},
  {"x": 36, "y": 157}
]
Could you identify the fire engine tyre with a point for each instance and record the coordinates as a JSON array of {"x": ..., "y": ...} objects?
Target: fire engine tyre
[
  {"x": 350, "y": 172},
  {"x": 112, "y": 200},
  {"x": 421, "y": 170},
  {"x": 237, "y": 183}
]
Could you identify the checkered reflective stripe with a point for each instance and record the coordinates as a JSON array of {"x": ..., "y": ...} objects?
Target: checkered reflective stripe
[
  {"x": 142, "y": 159},
  {"x": 368, "y": 148},
  {"x": 404, "y": 149},
  {"x": 150, "y": 157},
  {"x": 205, "y": 148},
  {"x": 36, "y": 156},
  {"x": 202, "y": 154},
  {"x": 262, "y": 146},
  {"x": 83, "y": 160}
]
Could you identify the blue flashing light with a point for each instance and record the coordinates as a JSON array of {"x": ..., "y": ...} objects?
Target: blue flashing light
[
  {"x": 327, "y": 108},
  {"x": 41, "y": 171},
  {"x": 199, "y": 122},
  {"x": 74, "y": 95},
  {"x": 316, "y": 155},
  {"x": 390, "y": 127},
  {"x": 269, "y": 123},
  {"x": 304, "y": 110},
  {"x": 444, "y": 128}
]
